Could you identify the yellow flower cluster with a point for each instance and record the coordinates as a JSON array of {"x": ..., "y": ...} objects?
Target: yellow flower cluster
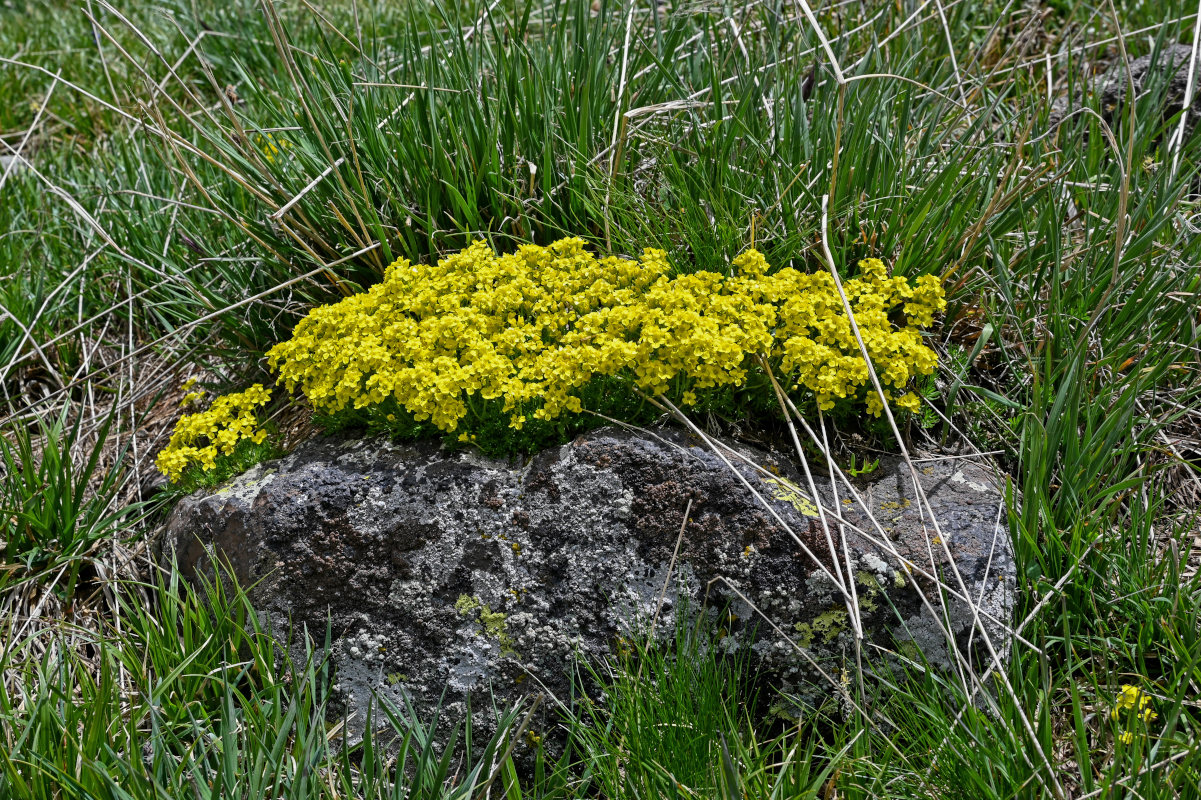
[
  {"x": 200, "y": 438},
  {"x": 271, "y": 146},
  {"x": 1136, "y": 699},
  {"x": 533, "y": 327}
]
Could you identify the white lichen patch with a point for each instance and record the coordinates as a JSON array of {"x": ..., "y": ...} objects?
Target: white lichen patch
[
  {"x": 873, "y": 563},
  {"x": 365, "y": 646},
  {"x": 959, "y": 477},
  {"x": 248, "y": 486}
]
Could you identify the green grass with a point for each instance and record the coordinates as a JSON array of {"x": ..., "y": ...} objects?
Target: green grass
[
  {"x": 56, "y": 512},
  {"x": 191, "y": 697},
  {"x": 197, "y": 700},
  {"x": 157, "y": 240},
  {"x": 678, "y": 721}
]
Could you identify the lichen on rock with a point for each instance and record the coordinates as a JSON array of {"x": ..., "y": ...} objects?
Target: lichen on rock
[
  {"x": 467, "y": 575},
  {"x": 492, "y": 623}
]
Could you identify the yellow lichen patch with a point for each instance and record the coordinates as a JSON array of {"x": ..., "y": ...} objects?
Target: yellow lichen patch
[
  {"x": 532, "y": 328},
  {"x": 867, "y": 598},
  {"x": 492, "y": 623},
  {"x": 830, "y": 623},
  {"x": 467, "y": 605},
  {"x": 806, "y": 634},
  {"x": 200, "y": 438},
  {"x": 827, "y": 625},
  {"x": 787, "y": 492}
]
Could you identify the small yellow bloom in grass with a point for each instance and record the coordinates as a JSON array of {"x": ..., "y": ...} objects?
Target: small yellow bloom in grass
[
  {"x": 1136, "y": 700},
  {"x": 1129, "y": 697},
  {"x": 1126, "y": 737},
  {"x": 192, "y": 397},
  {"x": 909, "y": 401},
  {"x": 271, "y": 145}
]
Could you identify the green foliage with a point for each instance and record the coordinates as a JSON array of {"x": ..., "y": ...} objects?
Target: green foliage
[
  {"x": 651, "y": 744},
  {"x": 679, "y": 720},
  {"x": 190, "y": 697},
  {"x": 53, "y": 512},
  {"x": 865, "y": 466}
]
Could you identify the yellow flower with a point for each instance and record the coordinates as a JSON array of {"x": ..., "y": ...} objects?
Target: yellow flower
[
  {"x": 533, "y": 327},
  {"x": 1127, "y": 698},
  {"x": 271, "y": 145},
  {"x": 1131, "y": 697},
  {"x": 199, "y": 438},
  {"x": 192, "y": 397}
]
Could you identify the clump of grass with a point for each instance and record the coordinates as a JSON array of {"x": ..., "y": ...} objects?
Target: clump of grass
[
  {"x": 188, "y": 696},
  {"x": 185, "y": 688},
  {"x": 55, "y": 514},
  {"x": 679, "y": 718}
]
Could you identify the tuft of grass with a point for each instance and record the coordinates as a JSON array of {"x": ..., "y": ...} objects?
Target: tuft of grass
[
  {"x": 186, "y": 695},
  {"x": 183, "y": 693},
  {"x": 679, "y": 718},
  {"x": 55, "y": 514}
]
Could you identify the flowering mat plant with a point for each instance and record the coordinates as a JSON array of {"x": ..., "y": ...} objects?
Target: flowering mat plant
[{"x": 532, "y": 330}]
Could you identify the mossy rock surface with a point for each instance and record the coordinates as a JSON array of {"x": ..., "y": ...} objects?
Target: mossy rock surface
[{"x": 467, "y": 575}]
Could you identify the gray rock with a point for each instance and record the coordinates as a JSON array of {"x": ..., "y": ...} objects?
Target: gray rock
[
  {"x": 1166, "y": 70},
  {"x": 1169, "y": 67},
  {"x": 445, "y": 571}
]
